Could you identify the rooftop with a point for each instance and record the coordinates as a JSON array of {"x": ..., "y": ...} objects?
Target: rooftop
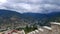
[
  {"x": 46, "y": 27},
  {"x": 56, "y": 23},
  {"x": 40, "y": 29}
]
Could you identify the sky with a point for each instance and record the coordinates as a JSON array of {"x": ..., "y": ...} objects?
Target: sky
[{"x": 34, "y": 6}]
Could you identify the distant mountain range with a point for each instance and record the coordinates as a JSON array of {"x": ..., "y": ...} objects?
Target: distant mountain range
[{"x": 8, "y": 16}]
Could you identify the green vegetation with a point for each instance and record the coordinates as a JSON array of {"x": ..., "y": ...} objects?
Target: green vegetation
[{"x": 28, "y": 29}]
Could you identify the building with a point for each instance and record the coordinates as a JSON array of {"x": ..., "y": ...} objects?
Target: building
[
  {"x": 14, "y": 32},
  {"x": 55, "y": 27}
]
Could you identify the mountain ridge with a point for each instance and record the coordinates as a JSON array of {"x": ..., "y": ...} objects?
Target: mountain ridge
[{"x": 42, "y": 19}]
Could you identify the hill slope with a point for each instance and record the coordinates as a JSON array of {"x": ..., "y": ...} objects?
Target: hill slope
[{"x": 9, "y": 17}]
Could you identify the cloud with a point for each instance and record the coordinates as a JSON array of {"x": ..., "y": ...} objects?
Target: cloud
[{"x": 35, "y": 6}]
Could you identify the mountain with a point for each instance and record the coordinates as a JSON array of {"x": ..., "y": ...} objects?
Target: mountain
[
  {"x": 13, "y": 17},
  {"x": 8, "y": 13},
  {"x": 44, "y": 19}
]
